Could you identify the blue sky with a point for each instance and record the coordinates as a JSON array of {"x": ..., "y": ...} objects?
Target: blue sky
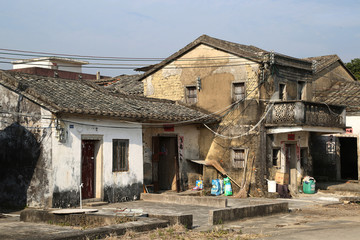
[{"x": 158, "y": 28}]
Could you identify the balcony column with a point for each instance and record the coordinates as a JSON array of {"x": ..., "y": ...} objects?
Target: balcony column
[{"x": 299, "y": 113}]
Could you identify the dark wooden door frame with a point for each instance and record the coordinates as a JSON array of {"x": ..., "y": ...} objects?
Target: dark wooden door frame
[{"x": 88, "y": 168}]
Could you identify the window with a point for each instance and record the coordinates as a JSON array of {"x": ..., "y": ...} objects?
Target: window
[
  {"x": 191, "y": 94},
  {"x": 301, "y": 87},
  {"x": 282, "y": 91},
  {"x": 275, "y": 156},
  {"x": 238, "y": 158},
  {"x": 120, "y": 155},
  {"x": 238, "y": 91}
]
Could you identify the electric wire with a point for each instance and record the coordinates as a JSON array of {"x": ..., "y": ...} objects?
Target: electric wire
[
  {"x": 127, "y": 66},
  {"x": 105, "y": 58}
]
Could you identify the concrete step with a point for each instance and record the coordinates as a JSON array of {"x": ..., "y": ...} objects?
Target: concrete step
[
  {"x": 94, "y": 204},
  {"x": 91, "y": 200}
]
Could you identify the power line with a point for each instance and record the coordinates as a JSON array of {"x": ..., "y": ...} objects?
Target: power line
[
  {"x": 104, "y": 58},
  {"x": 167, "y": 67}
]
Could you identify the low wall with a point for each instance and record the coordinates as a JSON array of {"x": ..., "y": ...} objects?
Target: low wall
[
  {"x": 185, "y": 200},
  {"x": 220, "y": 216},
  {"x": 142, "y": 224},
  {"x": 184, "y": 219}
]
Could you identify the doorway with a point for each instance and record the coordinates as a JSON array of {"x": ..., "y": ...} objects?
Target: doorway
[
  {"x": 165, "y": 163},
  {"x": 348, "y": 158},
  {"x": 290, "y": 166}
]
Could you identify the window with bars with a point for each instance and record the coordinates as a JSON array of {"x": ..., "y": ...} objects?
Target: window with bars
[
  {"x": 275, "y": 157},
  {"x": 238, "y": 91},
  {"x": 239, "y": 158},
  {"x": 191, "y": 94},
  {"x": 120, "y": 155}
]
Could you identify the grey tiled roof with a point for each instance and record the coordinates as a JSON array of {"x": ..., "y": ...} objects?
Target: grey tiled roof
[
  {"x": 84, "y": 97},
  {"x": 128, "y": 84},
  {"x": 323, "y": 62},
  {"x": 246, "y": 51},
  {"x": 341, "y": 92}
]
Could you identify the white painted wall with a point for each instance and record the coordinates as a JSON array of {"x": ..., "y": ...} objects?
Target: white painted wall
[
  {"x": 67, "y": 156},
  {"x": 354, "y": 122},
  {"x": 64, "y": 66}
]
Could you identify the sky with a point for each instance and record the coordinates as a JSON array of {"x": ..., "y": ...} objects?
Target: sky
[{"x": 159, "y": 28}]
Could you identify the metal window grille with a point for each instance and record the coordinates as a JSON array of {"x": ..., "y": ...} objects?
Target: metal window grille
[
  {"x": 120, "y": 155},
  {"x": 239, "y": 158}
]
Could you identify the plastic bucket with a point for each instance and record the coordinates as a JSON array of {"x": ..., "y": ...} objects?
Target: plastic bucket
[
  {"x": 271, "y": 186},
  {"x": 309, "y": 187}
]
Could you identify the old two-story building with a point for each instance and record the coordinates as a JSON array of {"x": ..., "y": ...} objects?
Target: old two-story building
[
  {"x": 62, "y": 140},
  {"x": 338, "y": 154},
  {"x": 265, "y": 103}
]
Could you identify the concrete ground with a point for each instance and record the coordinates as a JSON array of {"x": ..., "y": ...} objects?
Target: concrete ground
[
  {"x": 330, "y": 222},
  {"x": 12, "y": 228},
  {"x": 351, "y": 187}
]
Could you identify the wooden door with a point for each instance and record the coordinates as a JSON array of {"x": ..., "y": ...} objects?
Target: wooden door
[{"x": 88, "y": 168}]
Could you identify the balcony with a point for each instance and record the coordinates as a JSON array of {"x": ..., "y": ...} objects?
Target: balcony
[{"x": 301, "y": 113}]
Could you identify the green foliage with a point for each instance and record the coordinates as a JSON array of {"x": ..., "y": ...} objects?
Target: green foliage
[{"x": 354, "y": 67}]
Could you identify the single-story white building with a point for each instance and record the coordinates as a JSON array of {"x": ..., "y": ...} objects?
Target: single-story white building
[{"x": 60, "y": 139}]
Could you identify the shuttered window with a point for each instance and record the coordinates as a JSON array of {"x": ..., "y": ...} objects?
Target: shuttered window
[
  {"x": 238, "y": 157},
  {"x": 120, "y": 155},
  {"x": 191, "y": 94},
  {"x": 238, "y": 91}
]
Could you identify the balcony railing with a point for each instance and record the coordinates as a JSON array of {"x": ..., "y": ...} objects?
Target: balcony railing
[{"x": 306, "y": 113}]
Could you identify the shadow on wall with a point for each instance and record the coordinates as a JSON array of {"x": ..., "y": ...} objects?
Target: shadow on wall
[{"x": 19, "y": 153}]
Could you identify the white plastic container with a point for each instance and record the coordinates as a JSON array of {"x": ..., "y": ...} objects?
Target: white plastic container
[{"x": 271, "y": 186}]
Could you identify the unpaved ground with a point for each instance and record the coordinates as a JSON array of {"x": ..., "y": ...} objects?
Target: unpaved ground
[{"x": 309, "y": 223}]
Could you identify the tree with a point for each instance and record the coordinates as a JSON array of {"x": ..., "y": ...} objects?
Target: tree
[{"x": 354, "y": 67}]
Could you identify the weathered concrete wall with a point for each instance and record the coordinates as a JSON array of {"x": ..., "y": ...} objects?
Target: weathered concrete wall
[
  {"x": 110, "y": 186},
  {"x": 189, "y": 135},
  {"x": 237, "y": 125},
  {"x": 291, "y": 77},
  {"x": 185, "y": 200},
  {"x": 216, "y": 76},
  {"x": 25, "y": 150},
  {"x": 220, "y": 216}
]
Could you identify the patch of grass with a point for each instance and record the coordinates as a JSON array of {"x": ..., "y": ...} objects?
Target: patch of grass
[{"x": 180, "y": 232}]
